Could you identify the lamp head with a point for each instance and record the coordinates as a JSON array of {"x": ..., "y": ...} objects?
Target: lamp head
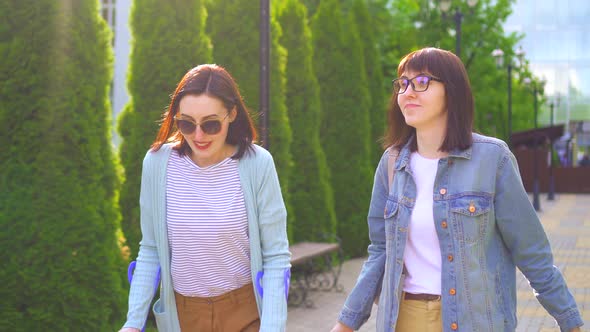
[
  {"x": 527, "y": 81},
  {"x": 498, "y": 54},
  {"x": 444, "y": 5}
]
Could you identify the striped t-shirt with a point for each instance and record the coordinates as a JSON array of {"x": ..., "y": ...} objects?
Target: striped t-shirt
[{"x": 207, "y": 227}]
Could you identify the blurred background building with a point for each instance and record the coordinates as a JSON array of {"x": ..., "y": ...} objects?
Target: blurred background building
[
  {"x": 557, "y": 44},
  {"x": 116, "y": 13}
]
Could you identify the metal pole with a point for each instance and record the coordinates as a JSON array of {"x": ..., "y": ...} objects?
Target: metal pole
[
  {"x": 458, "y": 19},
  {"x": 551, "y": 193},
  {"x": 536, "y": 202},
  {"x": 264, "y": 70},
  {"x": 510, "y": 105}
]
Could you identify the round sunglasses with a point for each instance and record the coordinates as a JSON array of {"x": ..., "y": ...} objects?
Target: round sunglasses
[{"x": 209, "y": 127}]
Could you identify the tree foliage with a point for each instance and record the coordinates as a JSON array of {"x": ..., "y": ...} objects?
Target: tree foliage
[
  {"x": 420, "y": 24},
  {"x": 345, "y": 127},
  {"x": 62, "y": 266},
  {"x": 310, "y": 189},
  {"x": 168, "y": 39}
]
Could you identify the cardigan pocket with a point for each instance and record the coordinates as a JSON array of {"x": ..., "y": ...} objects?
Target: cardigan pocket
[{"x": 163, "y": 321}]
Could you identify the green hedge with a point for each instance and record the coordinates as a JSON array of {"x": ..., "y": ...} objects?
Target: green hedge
[
  {"x": 345, "y": 128},
  {"x": 168, "y": 39},
  {"x": 62, "y": 267},
  {"x": 311, "y": 192}
]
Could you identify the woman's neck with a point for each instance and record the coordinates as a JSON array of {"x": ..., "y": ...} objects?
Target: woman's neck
[{"x": 429, "y": 143}]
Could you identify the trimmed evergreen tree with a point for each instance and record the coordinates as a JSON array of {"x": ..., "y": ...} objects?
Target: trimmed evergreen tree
[
  {"x": 345, "y": 128},
  {"x": 62, "y": 267},
  {"x": 168, "y": 39},
  {"x": 235, "y": 33},
  {"x": 311, "y": 193},
  {"x": 375, "y": 80},
  {"x": 311, "y": 6}
]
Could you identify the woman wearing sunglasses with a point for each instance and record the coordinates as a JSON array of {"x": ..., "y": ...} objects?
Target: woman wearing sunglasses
[
  {"x": 451, "y": 227},
  {"x": 212, "y": 217}
]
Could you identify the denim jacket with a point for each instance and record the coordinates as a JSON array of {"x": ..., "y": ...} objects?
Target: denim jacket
[{"x": 486, "y": 228}]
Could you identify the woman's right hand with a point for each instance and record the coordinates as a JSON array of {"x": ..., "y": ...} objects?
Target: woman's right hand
[
  {"x": 339, "y": 327},
  {"x": 129, "y": 329}
]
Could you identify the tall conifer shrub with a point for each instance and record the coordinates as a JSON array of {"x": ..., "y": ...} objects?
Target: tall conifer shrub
[
  {"x": 345, "y": 128},
  {"x": 310, "y": 188},
  {"x": 375, "y": 79},
  {"x": 168, "y": 39},
  {"x": 61, "y": 264}
]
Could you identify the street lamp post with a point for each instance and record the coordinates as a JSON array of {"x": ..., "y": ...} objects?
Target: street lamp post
[
  {"x": 535, "y": 86},
  {"x": 445, "y": 6},
  {"x": 536, "y": 201},
  {"x": 551, "y": 193},
  {"x": 499, "y": 55}
]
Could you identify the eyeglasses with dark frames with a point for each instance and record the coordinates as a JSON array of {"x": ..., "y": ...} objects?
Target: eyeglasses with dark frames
[
  {"x": 419, "y": 83},
  {"x": 209, "y": 127}
]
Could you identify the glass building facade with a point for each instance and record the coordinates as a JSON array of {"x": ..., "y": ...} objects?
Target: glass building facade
[{"x": 557, "y": 44}]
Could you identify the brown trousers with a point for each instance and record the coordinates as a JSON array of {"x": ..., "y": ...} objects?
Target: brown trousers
[
  {"x": 419, "y": 316},
  {"x": 235, "y": 311}
]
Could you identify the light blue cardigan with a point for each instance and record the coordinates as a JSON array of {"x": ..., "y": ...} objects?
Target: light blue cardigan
[{"x": 269, "y": 247}]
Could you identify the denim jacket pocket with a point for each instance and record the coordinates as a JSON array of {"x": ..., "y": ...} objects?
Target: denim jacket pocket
[{"x": 470, "y": 216}]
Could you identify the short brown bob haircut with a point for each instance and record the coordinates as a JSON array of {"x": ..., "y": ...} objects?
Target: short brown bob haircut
[
  {"x": 459, "y": 100},
  {"x": 213, "y": 81}
]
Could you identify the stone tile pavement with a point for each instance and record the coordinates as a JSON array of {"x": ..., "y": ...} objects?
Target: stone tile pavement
[{"x": 567, "y": 223}]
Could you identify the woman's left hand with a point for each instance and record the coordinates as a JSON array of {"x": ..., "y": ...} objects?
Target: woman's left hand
[{"x": 576, "y": 329}]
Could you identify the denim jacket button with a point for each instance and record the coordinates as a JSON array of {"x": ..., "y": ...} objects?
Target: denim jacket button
[
  {"x": 454, "y": 326},
  {"x": 443, "y": 224},
  {"x": 450, "y": 258},
  {"x": 443, "y": 191},
  {"x": 471, "y": 207},
  {"x": 452, "y": 291}
]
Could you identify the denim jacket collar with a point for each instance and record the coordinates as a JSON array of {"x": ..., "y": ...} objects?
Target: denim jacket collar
[{"x": 405, "y": 152}]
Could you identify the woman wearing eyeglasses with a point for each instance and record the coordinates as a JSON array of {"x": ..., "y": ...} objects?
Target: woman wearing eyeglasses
[
  {"x": 449, "y": 230},
  {"x": 212, "y": 217}
]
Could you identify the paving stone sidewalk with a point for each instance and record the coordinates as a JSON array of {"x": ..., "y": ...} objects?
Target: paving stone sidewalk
[{"x": 567, "y": 223}]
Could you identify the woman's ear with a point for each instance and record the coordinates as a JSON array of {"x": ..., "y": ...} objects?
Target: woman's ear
[{"x": 233, "y": 114}]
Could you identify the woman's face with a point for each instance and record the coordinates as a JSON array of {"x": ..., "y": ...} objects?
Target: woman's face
[
  {"x": 208, "y": 145},
  {"x": 425, "y": 109}
]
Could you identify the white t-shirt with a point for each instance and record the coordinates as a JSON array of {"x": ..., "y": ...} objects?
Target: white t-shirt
[{"x": 422, "y": 254}]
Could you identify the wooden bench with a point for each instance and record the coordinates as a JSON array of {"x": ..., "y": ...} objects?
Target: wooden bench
[{"x": 312, "y": 269}]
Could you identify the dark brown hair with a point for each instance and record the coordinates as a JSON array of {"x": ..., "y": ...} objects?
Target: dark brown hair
[
  {"x": 213, "y": 81},
  {"x": 459, "y": 99}
]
